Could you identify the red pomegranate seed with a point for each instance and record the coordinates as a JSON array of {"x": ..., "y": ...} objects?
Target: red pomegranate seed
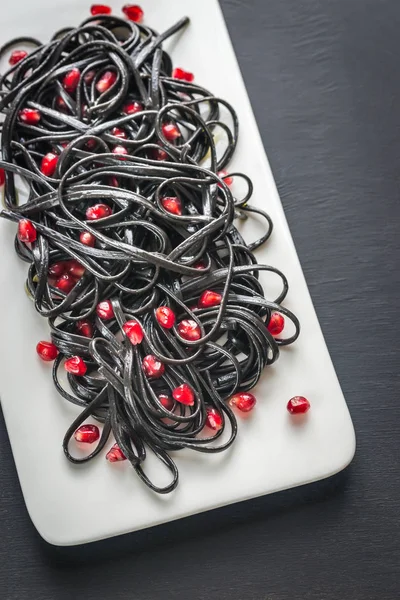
[
  {"x": 26, "y": 231},
  {"x": 153, "y": 367},
  {"x": 98, "y": 211},
  {"x": 243, "y": 401},
  {"x": 2, "y": 176},
  {"x": 100, "y": 9},
  {"x": 170, "y": 131},
  {"x": 106, "y": 81},
  {"x": 115, "y": 454},
  {"x": 134, "y": 332},
  {"x": 166, "y": 401},
  {"x": 209, "y": 298},
  {"x": 49, "y": 164},
  {"x": 85, "y": 328},
  {"x": 189, "y": 330},
  {"x": 172, "y": 204},
  {"x": 87, "y": 238},
  {"x": 276, "y": 324},
  {"x": 214, "y": 419},
  {"x": 60, "y": 103},
  {"x": 17, "y": 56},
  {"x": 31, "y": 116},
  {"x": 119, "y": 150},
  {"x": 298, "y": 405},
  {"x": 65, "y": 283},
  {"x": 88, "y": 77},
  {"x": 113, "y": 181},
  {"x": 75, "y": 269},
  {"x": 120, "y": 133},
  {"x": 132, "y": 108},
  {"x": 76, "y": 366},
  {"x": 47, "y": 351},
  {"x": 159, "y": 154},
  {"x": 71, "y": 80},
  {"x": 87, "y": 434},
  {"x": 181, "y": 74},
  {"x": 183, "y": 394},
  {"x": 165, "y": 316},
  {"x": 105, "y": 310},
  {"x": 57, "y": 269},
  {"x": 200, "y": 265},
  {"x": 227, "y": 180},
  {"x": 133, "y": 12}
]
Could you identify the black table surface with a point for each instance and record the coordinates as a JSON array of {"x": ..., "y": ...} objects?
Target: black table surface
[{"x": 323, "y": 78}]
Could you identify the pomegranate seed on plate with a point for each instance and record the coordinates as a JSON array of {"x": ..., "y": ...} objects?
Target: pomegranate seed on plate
[
  {"x": 47, "y": 351},
  {"x": 172, "y": 204},
  {"x": 100, "y": 9},
  {"x": 120, "y": 150},
  {"x": 105, "y": 310},
  {"x": 200, "y": 265},
  {"x": 276, "y": 324},
  {"x": 166, "y": 401},
  {"x": 170, "y": 131},
  {"x": 160, "y": 154},
  {"x": 298, "y": 405},
  {"x": 76, "y": 366},
  {"x": 120, "y": 133},
  {"x": 243, "y": 401},
  {"x": 132, "y": 108},
  {"x": 71, "y": 80},
  {"x": 209, "y": 298},
  {"x": 189, "y": 330},
  {"x": 85, "y": 328},
  {"x": 75, "y": 268},
  {"x": 134, "y": 332},
  {"x": 181, "y": 74},
  {"x": 184, "y": 394},
  {"x": 98, "y": 211},
  {"x": 26, "y": 231},
  {"x": 214, "y": 419},
  {"x": 227, "y": 180},
  {"x": 87, "y": 238},
  {"x": 17, "y": 56},
  {"x": 113, "y": 181},
  {"x": 106, "y": 81},
  {"x": 2, "y": 176},
  {"x": 115, "y": 454},
  {"x": 152, "y": 366},
  {"x": 49, "y": 164},
  {"x": 57, "y": 269},
  {"x": 65, "y": 283},
  {"x": 133, "y": 12},
  {"x": 88, "y": 77},
  {"x": 165, "y": 316},
  {"x": 87, "y": 434},
  {"x": 30, "y": 116}
]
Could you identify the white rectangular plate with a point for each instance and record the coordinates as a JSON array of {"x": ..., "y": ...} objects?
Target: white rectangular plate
[{"x": 72, "y": 505}]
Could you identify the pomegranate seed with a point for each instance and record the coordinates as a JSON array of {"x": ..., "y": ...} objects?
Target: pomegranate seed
[
  {"x": 172, "y": 204},
  {"x": 227, "y": 180},
  {"x": 209, "y": 298},
  {"x": 57, "y": 269},
  {"x": 170, "y": 131},
  {"x": 76, "y": 366},
  {"x": 71, "y": 80},
  {"x": 183, "y": 394},
  {"x": 60, "y": 103},
  {"x": 298, "y": 405},
  {"x": 26, "y": 231},
  {"x": 65, "y": 283},
  {"x": 200, "y": 265},
  {"x": 120, "y": 150},
  {"x": 105, "y": 310},
  {"x": 214, "y": 419},
  {"x": 181, "y": 74},
  {"x": 189, "y": 330},
  {"x": 47, "y": 351},
  {"x": 100, "y": 9},
  {"x": 49, "y": 164},
  {"x": 17, "y": 56},
  {"x": 85, "y": 328},
  {"x": 2, "y": 176},
  {"x": 120, "y": 133},
  {"x": 276, "y": 324},
  {"x": 243, "y": 401},
  {"x": 31, "y": 116},
  {"x": 88, "y": 77},
  {"x": 132, "y": 108},
  {"x": 98, "y": 211},
  {"x": 115, "y": 454},
  {"x": 166, "y": 401},
  {"x": 106, "y": 81},
  {"x": 113, "y": 181},
  {"x": 133, "y": 12},
  {"x": 159, "y": 154},
  {"x": 87, "y": 238},
  {"x": 165, "y": 316},
  {"x": 153, "y": 367},
  {"x": 75, "y": 269},
  {"x": 87, "y": 434},
  {"x": 134, "y": 332}
]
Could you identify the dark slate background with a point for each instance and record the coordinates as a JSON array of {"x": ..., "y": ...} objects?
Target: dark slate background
[{"x": 323, "y": 77}]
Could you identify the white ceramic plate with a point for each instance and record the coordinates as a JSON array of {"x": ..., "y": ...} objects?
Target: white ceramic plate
[{"x": 73, "y": 505}]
